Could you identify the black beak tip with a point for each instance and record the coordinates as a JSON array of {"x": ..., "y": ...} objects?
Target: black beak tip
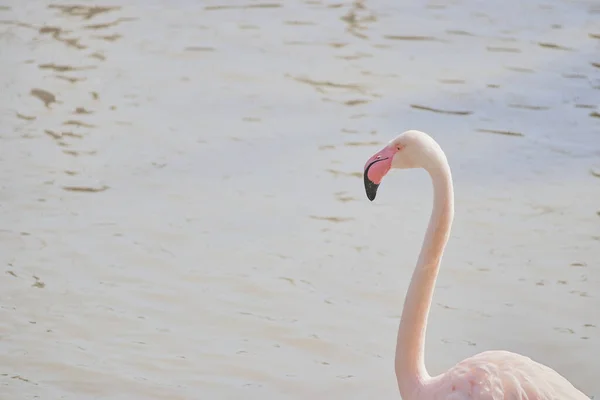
[{"x": 370, "y": 188}]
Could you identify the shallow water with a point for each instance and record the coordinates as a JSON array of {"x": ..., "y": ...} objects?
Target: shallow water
[{"x": 182, "y": 214}]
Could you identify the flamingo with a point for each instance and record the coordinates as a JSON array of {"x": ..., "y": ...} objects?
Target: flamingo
[{"x": 490, "y": 375}]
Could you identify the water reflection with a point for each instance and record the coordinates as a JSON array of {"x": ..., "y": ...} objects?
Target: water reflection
[
  {"x": 86, "y": 12},
  {"x": 46, "y": 97},
  {"x": 436, "y": 110}
]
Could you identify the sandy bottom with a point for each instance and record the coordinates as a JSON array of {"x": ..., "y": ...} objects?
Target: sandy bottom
[{"x": 182, "y": 214}]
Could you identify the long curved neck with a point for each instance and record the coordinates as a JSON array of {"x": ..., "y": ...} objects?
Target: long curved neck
[{"x": 410, "y": 365}]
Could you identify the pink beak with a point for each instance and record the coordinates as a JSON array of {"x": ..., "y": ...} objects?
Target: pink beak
[{"x": 376, "y": 168}]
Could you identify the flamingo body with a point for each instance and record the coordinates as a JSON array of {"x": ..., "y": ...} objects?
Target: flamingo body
[{"x": 500, "y": 375}]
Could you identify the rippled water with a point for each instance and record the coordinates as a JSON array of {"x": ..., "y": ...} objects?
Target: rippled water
[{"x": 182, "y": 214}]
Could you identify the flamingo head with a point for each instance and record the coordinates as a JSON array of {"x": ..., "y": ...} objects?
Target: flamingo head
[{"x": 410, "y": 149}]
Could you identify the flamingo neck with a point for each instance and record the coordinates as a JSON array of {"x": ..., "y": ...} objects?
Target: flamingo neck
[{"x": 410, "y": 348}]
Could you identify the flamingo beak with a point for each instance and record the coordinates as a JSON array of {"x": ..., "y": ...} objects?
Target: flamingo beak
[{"x": 376, "y": 168}]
